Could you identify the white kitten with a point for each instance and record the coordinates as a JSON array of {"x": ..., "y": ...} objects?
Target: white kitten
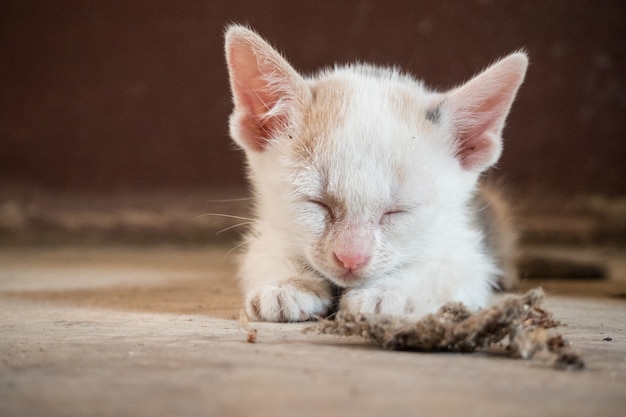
[{"x": 364, "y": 180}]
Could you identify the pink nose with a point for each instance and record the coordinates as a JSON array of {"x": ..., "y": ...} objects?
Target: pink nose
[{"x": 351, "y": 261}]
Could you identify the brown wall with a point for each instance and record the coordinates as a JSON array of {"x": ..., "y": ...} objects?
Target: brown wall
[{"x": 100, "y": 95}]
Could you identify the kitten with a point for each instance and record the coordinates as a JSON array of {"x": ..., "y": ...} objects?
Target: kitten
[{"x": 365, "y": 181}]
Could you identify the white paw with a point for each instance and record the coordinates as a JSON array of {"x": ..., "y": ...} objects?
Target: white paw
[
  {"x": 293, "y": 300},
  {"x": 379, "y": 300}
]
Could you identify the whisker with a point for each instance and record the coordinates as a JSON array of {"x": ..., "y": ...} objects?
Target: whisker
[
  {"x": 228, "y": 216},
  {"x": 299, "y": 245},
  {"x": 250, "y": 221},
  {"x": 237, "y": 246},
  {"x": 231, "y": 200},
  {"x": 247, "y": 241},
  {"x": 232, "y": 227}
]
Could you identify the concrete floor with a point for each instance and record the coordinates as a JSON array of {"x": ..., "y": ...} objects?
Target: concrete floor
[{"x": 133, "y": 331}]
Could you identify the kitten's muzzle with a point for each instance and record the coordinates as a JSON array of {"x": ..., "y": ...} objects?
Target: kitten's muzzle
[
  {"x": 353, "y": 248},
  {"x": 351, "y": 261}
]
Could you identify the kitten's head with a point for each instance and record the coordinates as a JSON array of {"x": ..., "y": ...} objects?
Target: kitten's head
[{"x": 360, "y": 168}]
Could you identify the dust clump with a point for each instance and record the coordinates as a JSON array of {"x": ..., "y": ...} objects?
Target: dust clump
[{"x": 515, "y": 325}]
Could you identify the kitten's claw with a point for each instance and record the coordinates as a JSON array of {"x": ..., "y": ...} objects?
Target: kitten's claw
[{"x": 294, "y": 300}]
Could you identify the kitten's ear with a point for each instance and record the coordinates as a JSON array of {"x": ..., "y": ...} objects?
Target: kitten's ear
[
  {"x": 268, "y": 94},
  {"x": 479, "y": 108}
]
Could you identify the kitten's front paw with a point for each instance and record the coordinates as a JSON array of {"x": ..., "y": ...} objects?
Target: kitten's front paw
[
  {"x": 386, "y": 301},
  {"x": 293, "y": 300}
]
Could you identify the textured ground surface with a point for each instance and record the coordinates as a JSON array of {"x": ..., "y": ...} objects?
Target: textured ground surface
[{"x": 152, "y": 332}]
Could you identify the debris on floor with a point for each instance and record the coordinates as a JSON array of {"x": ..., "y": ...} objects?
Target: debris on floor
[
  {"x": 244, "y": 321},
  {"x": 515, "y": 325}
]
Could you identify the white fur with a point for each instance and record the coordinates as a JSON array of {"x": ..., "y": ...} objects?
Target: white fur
[{"x": 348, "y": 165}]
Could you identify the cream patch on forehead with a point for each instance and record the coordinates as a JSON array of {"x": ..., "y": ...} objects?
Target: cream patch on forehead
[
  {"x": 409, "y": 105},
  {"x": 327, "y": 112}
]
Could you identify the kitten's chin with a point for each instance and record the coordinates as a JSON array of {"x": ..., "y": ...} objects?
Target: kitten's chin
[
  {"x": 341, "y": 277},
  {"x": 347, "y": 279}
]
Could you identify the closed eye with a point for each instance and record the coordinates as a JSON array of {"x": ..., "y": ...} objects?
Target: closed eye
[
  {"x": 322, "y": 205},
  {"x": 392, "y": 214},
  {"x": 318, "y": 203}
]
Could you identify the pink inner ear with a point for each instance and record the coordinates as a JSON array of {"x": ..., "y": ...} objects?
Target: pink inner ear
[
  {"x": 265, "y": 89},
  {"x": 479, "y": 110},
  {"x": 478, "y": 141},
  {"x": 254, "y": 128},
  {"x": 252, "y": 101},
  {"x": 476, "y": 152}
]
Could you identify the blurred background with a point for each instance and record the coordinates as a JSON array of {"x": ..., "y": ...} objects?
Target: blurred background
[{"x": 113, "y": 115}]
